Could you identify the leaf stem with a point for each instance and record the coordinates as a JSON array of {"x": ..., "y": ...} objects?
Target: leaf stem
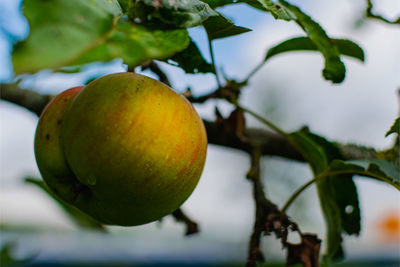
[
  {"x": 293, "y": 197},
  {"x": 263, "y": 120},
  {"x": 257, "y": 68},
  {"x": 325, "y": 174},
  {"x": 213, "y": 62}
]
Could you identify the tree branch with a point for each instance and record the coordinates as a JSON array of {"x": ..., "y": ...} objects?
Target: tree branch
[
  {"x": 271, "y": 144},
  {"x": 191, "y": 226},
  {"x": 29, "y": 99}
]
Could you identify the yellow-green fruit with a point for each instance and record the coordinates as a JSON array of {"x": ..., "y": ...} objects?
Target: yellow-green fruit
[{"x": 130, "y": 150}]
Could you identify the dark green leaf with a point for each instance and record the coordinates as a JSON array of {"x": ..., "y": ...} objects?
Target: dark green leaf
[
  {"x": 334, "y": 69},
  {"x": 177, "y": 13},
  {"x": 395, "y": 128},
  {"x": 277, "y": 10},
  {"x": 219, "y": 3},
  {"x": 80, "y": 218},
  {"x": 343, "y": 167},
  {"x": 346, "y": 198},
  {"x": 318, "y": 161},
  {"x": 125, "y": 5},
  {"x": 335, "y": 194},
  {"x": 346, "y": 47},
  {"x": 191, "y": 60},
  {"x": 311, "y": 151},
  {"x": 332, "y": 217},
  {"x": 345, "y": 190},
  {"x": 61, "y": 31},
  {"x": 220, "y": 27},
  {"x": 331, "y": 151}
]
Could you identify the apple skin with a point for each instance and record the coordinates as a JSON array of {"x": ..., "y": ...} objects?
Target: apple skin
[
  {"x": 129, "y": 149},
  {"x": 50, "y": 157}
]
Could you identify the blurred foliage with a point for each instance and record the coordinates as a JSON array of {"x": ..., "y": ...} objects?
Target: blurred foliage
[
  {"x": 80, "y": 218},
  {"x": 7, "y": 259},
  {"x": 336, "y": 190}
]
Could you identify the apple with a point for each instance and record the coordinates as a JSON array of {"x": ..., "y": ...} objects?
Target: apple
[{"x": 125, "y": 149}]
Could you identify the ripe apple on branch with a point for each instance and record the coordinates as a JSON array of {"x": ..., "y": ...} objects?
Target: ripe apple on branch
[{"x": 125, "y": 149}]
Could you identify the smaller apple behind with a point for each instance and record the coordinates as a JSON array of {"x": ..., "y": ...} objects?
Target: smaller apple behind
[{"x": 126, "y": 149}]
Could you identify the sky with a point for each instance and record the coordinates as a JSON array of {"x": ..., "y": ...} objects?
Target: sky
[{"x": 289, "y": 90}]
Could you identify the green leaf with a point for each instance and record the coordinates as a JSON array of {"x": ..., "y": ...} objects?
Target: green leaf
[
  {"x": 184, "y": 14},
  {"x": 395, "y": 128},
  {"x": 136, "y": 44},
  {"x": 220, "y": 27},
  {"x": 191, "y": 60},
  {"x": 177, "y": 13},
  {"x": 277, "y": 10},
  {"x": 334, "y": 69},
  {"x": 349, "y": 48},
  {"x": 378, "y": 169},
  {"x": 346, "y": 47},
  {"x": 58, "y": 40},
  {"x": 62, "y": 30},
  {"x": 80, "y": 218},
  {"x": 254, "y": 4}
]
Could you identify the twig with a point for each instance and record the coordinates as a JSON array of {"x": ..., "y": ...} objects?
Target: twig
[
  {"x": 268, "y": 219},
  {"x": 254, "y": 253},
  {"x": 370, "y": 14},
  {"x": 191, "y": 226}
]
